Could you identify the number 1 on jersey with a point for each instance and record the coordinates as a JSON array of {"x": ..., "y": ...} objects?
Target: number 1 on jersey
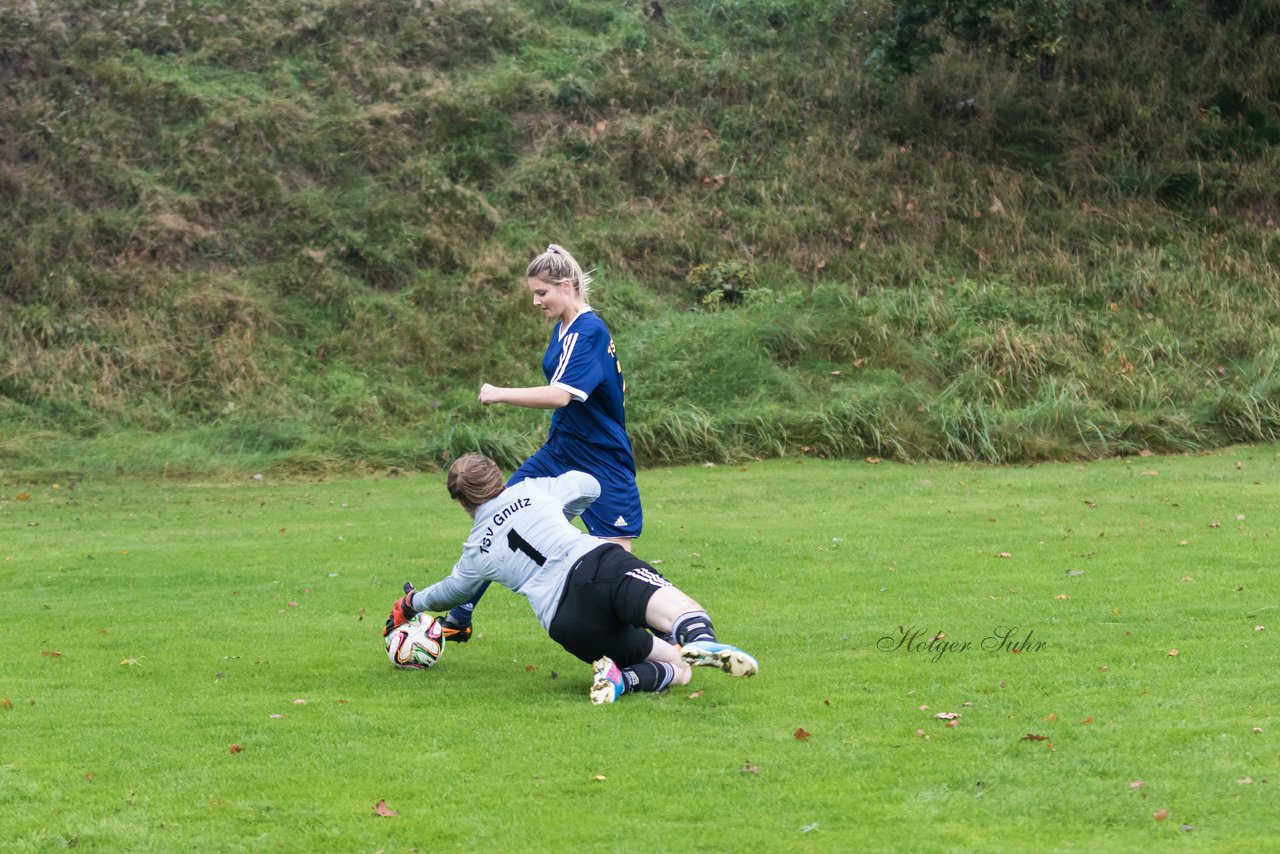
[{"x": 517, "y": 543}]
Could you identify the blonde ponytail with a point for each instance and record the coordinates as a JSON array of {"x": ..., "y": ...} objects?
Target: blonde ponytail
[{"x": 557, "y": 265}]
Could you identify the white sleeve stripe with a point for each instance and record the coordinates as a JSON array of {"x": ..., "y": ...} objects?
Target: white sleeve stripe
[
  {"x": 566, "y": 353},
  {"x": 578, "y": 394}
]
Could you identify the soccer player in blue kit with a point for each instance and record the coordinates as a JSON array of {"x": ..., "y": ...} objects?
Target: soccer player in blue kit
[
  {"x": 588, "y": 426},
  {"x": 594, "y": 598}
]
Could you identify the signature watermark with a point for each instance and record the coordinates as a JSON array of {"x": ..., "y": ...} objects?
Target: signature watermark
[{"x": 937, "y": 645}]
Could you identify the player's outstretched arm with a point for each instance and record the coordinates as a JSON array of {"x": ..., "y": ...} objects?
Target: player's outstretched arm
[{"x": 536, "y": 397}]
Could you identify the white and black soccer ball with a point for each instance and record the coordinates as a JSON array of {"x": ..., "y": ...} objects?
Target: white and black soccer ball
[{"x": 417, "y": 644}]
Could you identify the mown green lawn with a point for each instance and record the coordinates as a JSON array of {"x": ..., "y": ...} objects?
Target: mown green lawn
[{"x": 199, "y": 665}]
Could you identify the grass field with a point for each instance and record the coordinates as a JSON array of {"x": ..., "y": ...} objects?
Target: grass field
[{"x": 191, "y": 665}]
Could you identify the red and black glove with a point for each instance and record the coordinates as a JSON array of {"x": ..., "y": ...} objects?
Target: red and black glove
[{"x": 402, "y": 611}]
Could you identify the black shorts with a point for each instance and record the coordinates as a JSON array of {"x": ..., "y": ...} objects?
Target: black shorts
[{"x": 602, "y": 609}]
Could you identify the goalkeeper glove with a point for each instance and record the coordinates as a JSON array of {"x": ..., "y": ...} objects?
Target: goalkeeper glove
[{"x": 402, "y": 611}]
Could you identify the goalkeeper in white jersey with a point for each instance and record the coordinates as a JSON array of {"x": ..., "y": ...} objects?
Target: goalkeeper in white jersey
[{"x": 593, "y": 597}]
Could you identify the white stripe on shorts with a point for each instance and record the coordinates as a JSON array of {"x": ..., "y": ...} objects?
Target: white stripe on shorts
[{"x": 648, "y": 576}]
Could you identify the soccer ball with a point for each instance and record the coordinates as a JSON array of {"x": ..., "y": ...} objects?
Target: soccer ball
[{"x": 417, "y": 644}]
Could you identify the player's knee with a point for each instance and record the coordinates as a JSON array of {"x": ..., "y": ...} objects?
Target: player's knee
[{"x": 682, "y": 602}]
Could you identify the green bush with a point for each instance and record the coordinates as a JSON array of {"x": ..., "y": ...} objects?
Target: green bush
[{"x": 716, "y": 284}]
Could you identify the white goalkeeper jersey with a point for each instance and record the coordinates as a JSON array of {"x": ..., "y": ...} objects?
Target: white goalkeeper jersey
[{"x": 524, "y": 541}]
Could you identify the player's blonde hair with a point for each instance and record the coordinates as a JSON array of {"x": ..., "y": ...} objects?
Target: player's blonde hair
[
  {"x": 474, "y": 479},
  {"x": 556, "y": 265}
]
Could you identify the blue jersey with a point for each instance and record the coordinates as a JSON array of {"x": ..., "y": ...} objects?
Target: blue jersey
[
  {"x": 583, "y": 361},
  {"x": 590, "y": 433}
]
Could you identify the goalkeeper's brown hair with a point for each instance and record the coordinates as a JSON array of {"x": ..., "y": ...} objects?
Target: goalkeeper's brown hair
[{"x": 473, "y": 480}]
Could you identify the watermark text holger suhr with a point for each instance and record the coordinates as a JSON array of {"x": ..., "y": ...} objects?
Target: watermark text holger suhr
[{"x": 936, "y": 645}]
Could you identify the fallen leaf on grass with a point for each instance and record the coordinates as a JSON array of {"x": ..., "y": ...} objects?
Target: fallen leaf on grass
[
  {"x": 1173, "y": 652},
  {"x": 130, "y": 662},
  {"x": 695, "y": 695},
  {"x": 947, "y": 716},
  {"x": 748, "y": 768},
  {"x": 599, "y": 778},
  {"x": 299, "y": 702},
  {"x": 1004, "y": 554},
  {"x": 874, "y": 460},
  {"x": 530, "y": 667},
  {"x": 1257, "y": 729},
  {"x": 50, "y": 653},
  {"x": 1137, "y": 784},
  {"x": 88, "y": 777},
  {"x": 1247, "y": 781},
  {"x": 809, "y": 828},
  {"x": 1031, "y": 736},
  {"x": 1160, "y": 815},
  {"x": 802, "y": 734},
  {"x": 22, "y": 496},
  {"x": 383, "y": 810},
  {"x": 234, "y": 748}
]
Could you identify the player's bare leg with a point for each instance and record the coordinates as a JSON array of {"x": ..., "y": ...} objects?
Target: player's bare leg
[{"x": 671, "y": 612}]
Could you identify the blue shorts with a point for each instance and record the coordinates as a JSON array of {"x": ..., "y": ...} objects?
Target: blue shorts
[{"x": 616, "y": 513}]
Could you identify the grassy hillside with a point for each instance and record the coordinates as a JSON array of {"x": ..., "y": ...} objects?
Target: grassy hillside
[{"x": 294, "y": 233}]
